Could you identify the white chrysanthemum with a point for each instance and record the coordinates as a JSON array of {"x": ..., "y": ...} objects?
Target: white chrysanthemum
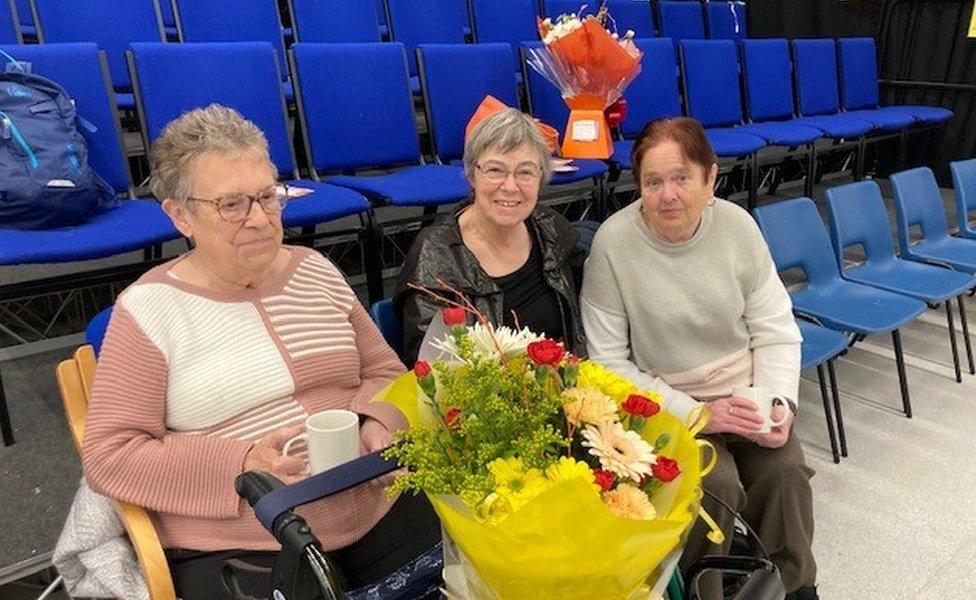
[
  {"x": 486, "y": 343},
  {"x": 620, "y": 451},
  {"x": 563, "y": 27}
]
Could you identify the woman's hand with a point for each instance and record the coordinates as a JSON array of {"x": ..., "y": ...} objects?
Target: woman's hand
[
  {"x": 374, "y": 436},
  {"x": 733, "y": 415},
  {"x": 266, "y": 456},
  {"x": 778, "y": 435}
]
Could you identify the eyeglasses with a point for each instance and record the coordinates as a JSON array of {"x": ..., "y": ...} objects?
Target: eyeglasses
[
  {"x": 234, "y": 208},
  {"x": 524, "y": 175}
]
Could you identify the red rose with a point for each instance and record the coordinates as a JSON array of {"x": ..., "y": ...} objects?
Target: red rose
[
  {"x": 451, "y": 419},
  {"x": 421, "y": 369},
  {"x": 640, "y": 406},
  {"x": 604, "y": 479},
  {"x": 665, "y": 469},
  {"x": 545, "y": 352},
  {"x": 454, "y": 315}
]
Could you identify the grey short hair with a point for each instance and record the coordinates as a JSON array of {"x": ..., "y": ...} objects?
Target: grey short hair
[
  {"x": 215, "y": 128},
  {"x": 505, "y": 131}
]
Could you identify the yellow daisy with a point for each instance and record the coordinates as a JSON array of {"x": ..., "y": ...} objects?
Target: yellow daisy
[
  {"x": 595, "y": 375},
  {"x": 567, "y": 469}
]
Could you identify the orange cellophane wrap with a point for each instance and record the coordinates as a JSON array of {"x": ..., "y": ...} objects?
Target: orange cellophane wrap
[{"x": 491, "y": 105}]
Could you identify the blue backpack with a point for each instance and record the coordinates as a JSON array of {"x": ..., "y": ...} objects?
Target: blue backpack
[{"x": 45, "y": 180}]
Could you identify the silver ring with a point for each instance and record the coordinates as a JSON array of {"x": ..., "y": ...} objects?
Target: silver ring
[{"x": 731, "y": 410}]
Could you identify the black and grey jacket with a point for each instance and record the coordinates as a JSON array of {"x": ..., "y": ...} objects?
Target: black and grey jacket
[{"x": 439, "y": 253}]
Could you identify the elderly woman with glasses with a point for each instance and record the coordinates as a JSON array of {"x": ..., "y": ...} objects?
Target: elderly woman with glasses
[
  {"x": 214, "y": 359},
  {"x": 515, "y": 260}
]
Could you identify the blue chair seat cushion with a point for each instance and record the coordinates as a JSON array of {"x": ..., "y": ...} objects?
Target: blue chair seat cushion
[
  {"x": 847, "y": 306},
  {"x": 885, "y": 120},
  {"x": 133, "y": 225},
  {"x": 327, "y": 203},
  {"x": 837, "y": 126},
  {"x": 925, "y": 114},
  {"x": 727, "y": 142},
  {"x": 957, "y": 252},
  {"x": 125, "y": 100},
  {"x": 924, "y": 282},
  {"x": 421, "y": 185},
  {"x": 782, "y": 133},
  {"x": 819, "y": 344},
  {"x": 588, "y": 169}
]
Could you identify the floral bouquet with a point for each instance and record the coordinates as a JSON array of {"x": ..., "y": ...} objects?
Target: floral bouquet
[
  {"x": 591, "y": 67},
  {"x": 552, "y": 476}
]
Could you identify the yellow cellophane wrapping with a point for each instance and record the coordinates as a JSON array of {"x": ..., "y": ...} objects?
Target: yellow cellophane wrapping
[{"x": 565, "y": 543}]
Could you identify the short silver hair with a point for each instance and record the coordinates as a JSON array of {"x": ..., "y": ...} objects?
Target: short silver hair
[
  {"x": 505, "y": 131},
  {"x": 216, "y": 129}
]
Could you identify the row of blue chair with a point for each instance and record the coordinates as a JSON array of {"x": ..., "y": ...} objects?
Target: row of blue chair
[{"x": 882, "y": 291}]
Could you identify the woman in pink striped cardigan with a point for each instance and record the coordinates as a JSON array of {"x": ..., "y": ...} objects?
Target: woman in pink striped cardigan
[{"x": 214, "y": 359}]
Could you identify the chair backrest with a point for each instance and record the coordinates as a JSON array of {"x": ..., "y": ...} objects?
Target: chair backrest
[
  {"x": 83, "y": 71},
  {"x": 858, "y": 73},
  {"x": 9, "y": 23},
  {"x": 166, "y": 13},
  {"x": 711, "y": 78},
  {"x": 455, "y": 79},
  {"x": 24, "y": 13},
  {"x": 95, "y": 332},
  {"x": 768, "y": 80},
  {"x": 636, "y": 15},
  {"x": 726, "y": 20},
  {"x": 384, "y": 317},
  {"x": 112, "y": 24},
  {"x": 653, "y": 94},
  {"x": 368, "y": 119},
  {"x": 416, "y": 22},
  {"x": 240, "y": 75},
  {"x": 918, "y": 201},
  {"x": 75, "y": 377},
  {"x": 815, "y": 67},
  {"x": 681, "y": 20},
  {"x": 231, "y": 21},
  {"x": 964, "y": 182},
  {"x": 509, "y": 21},
  {"x": 857, "y": 215},
  {"x": 335, "y": 22},
  {"x": 797, "y": 238}
]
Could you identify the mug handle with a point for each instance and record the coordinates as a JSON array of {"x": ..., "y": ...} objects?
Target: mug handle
[
  {"x": 287, "y": 446},
  {"x": 786, "y": 412}
]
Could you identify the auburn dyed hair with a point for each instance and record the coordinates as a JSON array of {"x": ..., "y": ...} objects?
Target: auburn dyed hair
[{"x": 686, "y": 132}]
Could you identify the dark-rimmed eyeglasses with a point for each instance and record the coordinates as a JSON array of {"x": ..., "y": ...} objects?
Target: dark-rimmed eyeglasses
[{"x": 234, "y": 208}]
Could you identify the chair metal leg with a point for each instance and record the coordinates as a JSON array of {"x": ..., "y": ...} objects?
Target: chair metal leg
[
  {"x": 372, "y": 239},
  {"x": 902, "y": 377},
  {"x": 830, "y": 419},
  {"x": 6, "y": 427},
  {"x": 838, "y": 415},
  {"x": 811, "y": 171},
  {"x": 952, "y": 341},
  {"x": 753, "y": 183},
  {"x": 965, "y": 334}
]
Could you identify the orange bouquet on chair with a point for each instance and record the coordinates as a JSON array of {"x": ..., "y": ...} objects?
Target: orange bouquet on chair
[{"x": 591, "y": 67}]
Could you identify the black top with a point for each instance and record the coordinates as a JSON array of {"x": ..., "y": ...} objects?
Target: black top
[{"x": 533, "y": 302}]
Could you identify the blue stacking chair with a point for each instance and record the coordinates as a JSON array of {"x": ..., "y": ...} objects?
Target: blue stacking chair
[
  {"x": 456, "y": 78},
  {"x": 415, "y": 22},
  {"x": 817, "y": 96},
  {"x": 111, "y": 24},
  {"x": 234, "y": 21},
  {"x": 726, "y": 20},
  {"x": 819, "y": 348},
  {"x": 25, "y": 16},
  {"x": 681, "y": 20},
  {"x": 368, "y": 123},
  {"x": 918, "y": 202},
  {"x": 636, "y": 15},
  {"x": 509, "y": 21},
  {"x": 243, "y": 76},
  {"x": 797, "y": 239},
  {"x": 858, "y": 216},
  {"x": 859, "y": 83},
  {"x": 712, "y": 95},
  {"x": 388, "y": 324},
  {"x": 964, "y": 182},
  {"x": 9, "y": 23},
  {"x": 337, "y": 22}
]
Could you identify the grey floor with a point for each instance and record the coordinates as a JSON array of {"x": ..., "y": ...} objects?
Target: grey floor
[{"x": 894, "y": 520}]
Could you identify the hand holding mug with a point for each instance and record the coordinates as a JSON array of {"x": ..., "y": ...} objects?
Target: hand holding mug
[
  {"x": 778, "y": 434},
  {"x": 733, "y": 415},
  {"x": 266, "y": 455},
  {"x": 332, "y": 438}
]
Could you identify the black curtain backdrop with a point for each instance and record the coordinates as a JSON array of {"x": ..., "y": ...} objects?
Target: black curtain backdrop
[{"x": 917, "y": 40}]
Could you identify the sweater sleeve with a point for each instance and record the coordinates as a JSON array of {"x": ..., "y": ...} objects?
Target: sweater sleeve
[
  {"x": 774, "y": 337},
  {"x": 127, "y": 451},
  {"x": 380, "y": 366}
]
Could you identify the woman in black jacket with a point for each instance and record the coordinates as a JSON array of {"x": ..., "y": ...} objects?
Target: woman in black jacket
[{"x": 515, "y": 260}]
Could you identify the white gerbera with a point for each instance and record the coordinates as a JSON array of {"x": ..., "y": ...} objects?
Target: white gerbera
[
  {"x": 620, "y": 451},
  {"x": 487, "y": 343}
]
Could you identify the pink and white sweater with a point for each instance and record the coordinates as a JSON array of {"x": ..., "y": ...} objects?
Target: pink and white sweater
[{"x": 189, "y": 378}]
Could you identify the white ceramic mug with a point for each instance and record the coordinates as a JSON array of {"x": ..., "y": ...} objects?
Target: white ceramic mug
[
  {"x": 332, "y": 437},
  {"x": 765, "y": 405}
]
